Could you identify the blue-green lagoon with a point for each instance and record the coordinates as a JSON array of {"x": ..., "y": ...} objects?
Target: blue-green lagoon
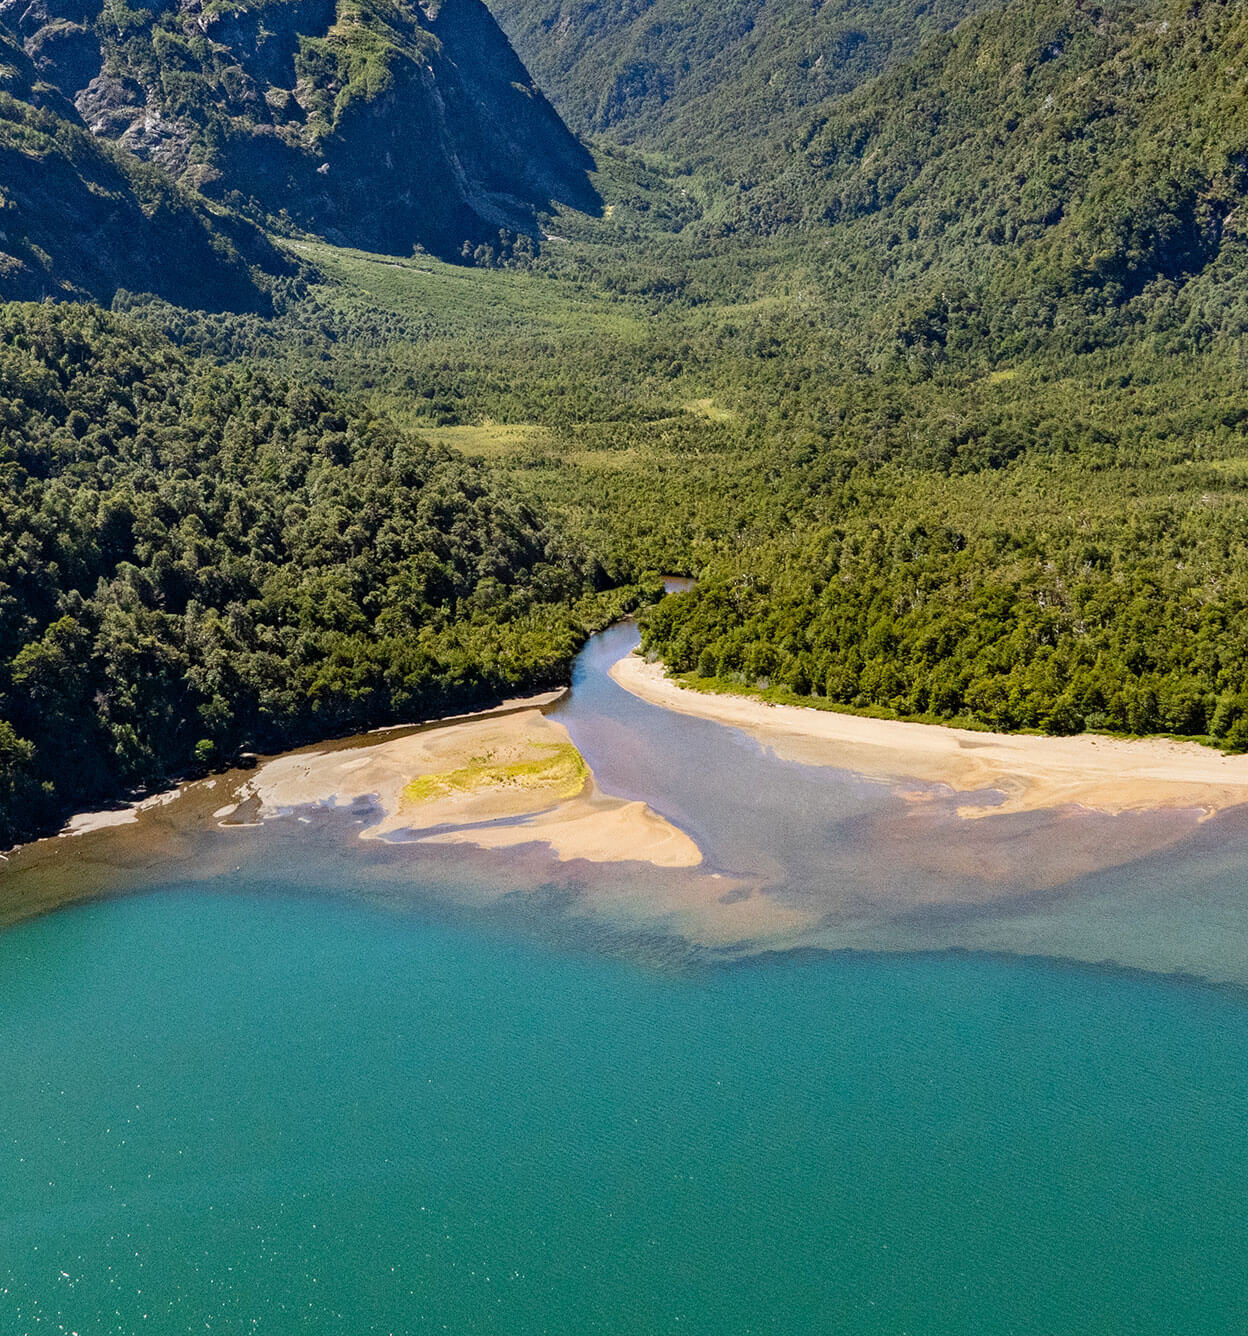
[{"x": 293, "y": 1082}]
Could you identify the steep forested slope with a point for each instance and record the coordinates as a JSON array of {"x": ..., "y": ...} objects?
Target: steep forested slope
[
  {"x": 382, "y": 123},
  {"x": 194, "y": 559},
  {"x": 711, "y": 80},
  {"x": 1056, "y": 171},
  {"x": 79, "y": 218}
]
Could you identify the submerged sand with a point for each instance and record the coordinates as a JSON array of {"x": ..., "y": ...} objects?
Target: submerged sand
[
  {"x": 1000, "y": 773},
  {"x": 512, "y": 786},
  {"x": 494, "y": 782}
]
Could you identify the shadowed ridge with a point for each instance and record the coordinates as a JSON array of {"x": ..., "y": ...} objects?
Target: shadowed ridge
[
  {"x": 381, "y": 124},
  {"x": 80, "y": 220}
]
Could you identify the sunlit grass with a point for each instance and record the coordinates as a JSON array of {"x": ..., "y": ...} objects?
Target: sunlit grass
[
  {"x": 709, "y": 409},
  {"x": 456, "y": 301},
  {"x": 489, "y": 439},
  {"x": 558, "y": 770}
]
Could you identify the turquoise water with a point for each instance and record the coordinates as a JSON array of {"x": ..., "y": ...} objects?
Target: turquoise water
[
  {"x": 304, "y": 1084},
  {"x": 236, "y": 1110}
]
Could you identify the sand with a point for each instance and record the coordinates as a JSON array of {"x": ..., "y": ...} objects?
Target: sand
[
  {"x": 1000, "y": 773},
  {"x": 519, "y": 772},
  {"x": 86, "y": 823}
]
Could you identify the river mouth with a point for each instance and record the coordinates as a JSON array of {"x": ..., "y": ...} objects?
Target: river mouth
[
  {"x": 785, "y": 856},
  {"x": 831, "y": 1078}
]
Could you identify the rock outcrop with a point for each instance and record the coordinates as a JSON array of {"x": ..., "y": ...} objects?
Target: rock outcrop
[
  {"x": 383, "y": 124},
  {"x": 81, "y": 219}
]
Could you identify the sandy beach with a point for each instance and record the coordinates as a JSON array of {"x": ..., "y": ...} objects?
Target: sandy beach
[
  {"x": 999, "y": 773},
  {"x": 495, "y": 782}
]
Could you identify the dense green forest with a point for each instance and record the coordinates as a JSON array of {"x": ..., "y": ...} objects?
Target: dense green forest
[
  {"x": 944, "y": 403},
  {"x": 1051, "y": 545},
  {"x": 719, "y": 82},
  {"x": 1048, "y": 177},
  {"x": 196, "y": 559}
]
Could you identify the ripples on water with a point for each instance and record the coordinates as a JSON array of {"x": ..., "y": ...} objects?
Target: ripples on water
[{"x": 255, "y": 1112}]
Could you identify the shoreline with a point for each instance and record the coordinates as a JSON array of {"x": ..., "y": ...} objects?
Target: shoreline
[
  {"x": 496, "y": 780},
  {"x": 556, "y": 817},
  {"x": 999, "y": 773},
  {"x": 127, "y": 810}
]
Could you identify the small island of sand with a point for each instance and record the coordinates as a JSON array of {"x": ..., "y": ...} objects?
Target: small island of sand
[
  {"x": 1000, "y": 773},
  {"x": 494, "y": 782}
]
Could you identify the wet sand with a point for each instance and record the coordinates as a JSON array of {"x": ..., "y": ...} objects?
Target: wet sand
[
  {"x": 494, "y": 782},
  {"x": 1000, "y": 773}
]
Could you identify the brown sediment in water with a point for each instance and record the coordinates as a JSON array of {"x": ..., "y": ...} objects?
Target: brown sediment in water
[
  {"x": 168, "y": 838},
  {"x": 508, "y": 791},
  {"x": 1002, "y": 859},
  {"x": 507, "y": 787},
  {"x": 1000, "y": 774}
]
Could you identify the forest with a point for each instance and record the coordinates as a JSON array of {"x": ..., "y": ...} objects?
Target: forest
[
  {"x": 197, "y": 560},
  {"x": 943, "y": 402}
]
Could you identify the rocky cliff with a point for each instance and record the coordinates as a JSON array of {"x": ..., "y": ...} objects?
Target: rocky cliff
[
  {"x": 80, "y": 219},
  {"x": 377, "y": 123}
]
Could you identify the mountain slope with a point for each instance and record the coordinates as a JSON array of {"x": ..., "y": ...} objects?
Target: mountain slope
[
  {"x": 78, "y": 218},
  {"x": 377, "y": 123},
  {"x": 1056, "y": 170},
  {"x": 713, "y": 80},
  {"x": 1014, "y": 394}
]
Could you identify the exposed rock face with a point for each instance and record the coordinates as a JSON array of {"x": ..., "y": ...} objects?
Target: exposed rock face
[
  {"x": 377, "y": 123},
  {"x": 80, "y": 219}
]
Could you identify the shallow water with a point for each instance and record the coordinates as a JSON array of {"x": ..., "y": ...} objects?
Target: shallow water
[
  {"x": 868, "y": 868},
  {"x": 307, "y": 1084}
]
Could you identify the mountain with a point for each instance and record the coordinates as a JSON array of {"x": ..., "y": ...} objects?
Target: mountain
[
  {"x": 1056, "y": 170},
  {"x": 712, "y": 80},
  {"x": 382, "y": 124},
  {"x": 81, "y": 219}
]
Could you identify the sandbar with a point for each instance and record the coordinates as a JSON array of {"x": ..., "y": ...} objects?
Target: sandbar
[
  {"x": 494, "y": 782},
  {"x": 1000, "y": 773}
]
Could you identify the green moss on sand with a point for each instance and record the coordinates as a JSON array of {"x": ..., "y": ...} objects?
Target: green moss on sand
[{"x": 557, "y": 768}]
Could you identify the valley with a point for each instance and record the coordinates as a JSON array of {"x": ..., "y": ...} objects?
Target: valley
[{"x": 623, "y": 667}]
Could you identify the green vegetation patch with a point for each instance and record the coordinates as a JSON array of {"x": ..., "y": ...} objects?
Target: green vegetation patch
[
  {"x": 557, "y": 767},
  {"x": 708, "y": 408},
  {"x": 437, "y": 300},
  {"x": 489, "y": 440}
]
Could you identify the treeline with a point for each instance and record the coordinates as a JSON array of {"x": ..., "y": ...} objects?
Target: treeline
[
  {"x": 1111, "y": 621},
  {"x": 196, "y": 559}
]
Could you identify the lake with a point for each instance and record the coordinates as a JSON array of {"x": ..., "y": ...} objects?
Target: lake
[{"x": 297, "y": 1083}]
